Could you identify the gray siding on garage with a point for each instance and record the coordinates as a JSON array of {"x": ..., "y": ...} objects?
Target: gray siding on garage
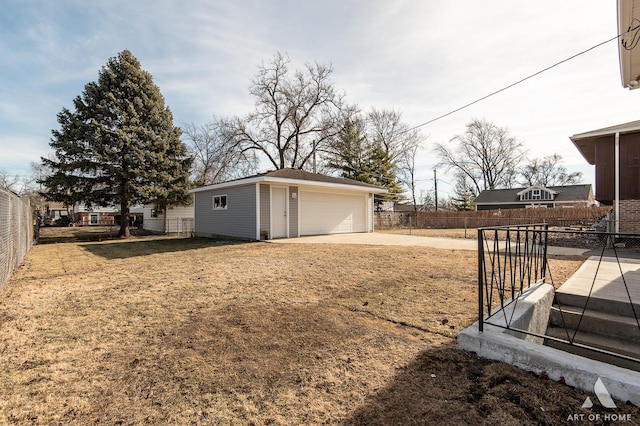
[
  {"x": 265, "y": 208},
  {"x": 293, "y": 211},
  {"x": 237, "y": 220}
]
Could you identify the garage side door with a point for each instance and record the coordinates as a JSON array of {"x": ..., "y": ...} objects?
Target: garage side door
[{"x": 328, "y": 213}]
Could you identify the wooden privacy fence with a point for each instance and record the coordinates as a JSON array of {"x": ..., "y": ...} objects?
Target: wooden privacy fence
[
  {"x": 583, "y": 217},
  {"x": 16, "y": 232}
]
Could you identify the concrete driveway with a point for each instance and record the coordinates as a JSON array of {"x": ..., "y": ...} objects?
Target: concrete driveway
[{"x": 382, "y": 239}]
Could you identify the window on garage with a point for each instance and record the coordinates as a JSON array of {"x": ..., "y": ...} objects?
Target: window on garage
[{"x": 219, "y": 202}]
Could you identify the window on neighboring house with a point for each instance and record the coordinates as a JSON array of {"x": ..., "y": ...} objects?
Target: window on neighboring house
[
  {"x": 536, "y": 194},
  {"x": 154, "y": 213},
  {"x": 219, "y": 202}
]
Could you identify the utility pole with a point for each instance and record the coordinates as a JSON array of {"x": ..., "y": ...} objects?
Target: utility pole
[{"x": 435, "y": 187}]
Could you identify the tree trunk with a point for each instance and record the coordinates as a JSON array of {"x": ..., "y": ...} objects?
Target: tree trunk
[{"x": 124, "y": 219}]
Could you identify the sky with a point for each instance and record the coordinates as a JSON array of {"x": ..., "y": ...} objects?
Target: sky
[{"x": 424, "y": 58}]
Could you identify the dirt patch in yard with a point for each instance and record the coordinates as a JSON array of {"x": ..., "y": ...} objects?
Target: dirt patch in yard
[{"x": 196, "y": 331}]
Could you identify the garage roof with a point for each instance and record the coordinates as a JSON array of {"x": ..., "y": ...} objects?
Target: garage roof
[{"x": 293, "y": 177}]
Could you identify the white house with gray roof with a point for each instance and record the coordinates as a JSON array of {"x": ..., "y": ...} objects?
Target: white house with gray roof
[{"x": 285, "y": 203}]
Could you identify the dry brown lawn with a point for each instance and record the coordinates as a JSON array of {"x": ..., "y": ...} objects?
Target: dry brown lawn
[{"x": 196, "y": 331}]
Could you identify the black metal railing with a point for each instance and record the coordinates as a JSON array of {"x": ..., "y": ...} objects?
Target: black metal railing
[
  {"x": 513, "y": 259},
  {"x": 510, "y": 260}
]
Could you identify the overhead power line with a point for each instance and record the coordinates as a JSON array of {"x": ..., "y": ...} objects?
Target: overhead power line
[{"x": 523, "y": 79}]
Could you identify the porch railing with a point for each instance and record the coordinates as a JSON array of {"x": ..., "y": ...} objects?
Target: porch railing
[
  {"x": 510, "y": 260},
  {"x": 513, "y": 259}
]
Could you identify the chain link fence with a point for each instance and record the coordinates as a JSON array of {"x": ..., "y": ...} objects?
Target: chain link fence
[{"x": 16, "y": 232}]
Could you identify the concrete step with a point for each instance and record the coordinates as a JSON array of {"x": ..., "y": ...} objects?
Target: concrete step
[
  {"x": 596, "y": 322},
  {"x": 605, "y": 284},
  {"x": 610, "y": 344},
  {"x": 603, "y": 304}
]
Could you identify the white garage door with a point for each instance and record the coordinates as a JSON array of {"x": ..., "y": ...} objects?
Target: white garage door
[{"x": 327, "y": 213}]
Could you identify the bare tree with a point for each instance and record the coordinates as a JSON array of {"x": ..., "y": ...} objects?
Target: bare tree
[
  {"x": 485, "y": 153},
  {"x": 399, "y": 142},
  {"x": 20, "y": 184},
  {"x": 295, "y": 113},
  {"x": 548, "y": 171},
  {"x": 9, "y": 181},
  {"x": 217, "y": 156},
  {"x": 376, "y": 148},
  {"x": 385, "y": 127},
  {"x": 407, "y": 171}
]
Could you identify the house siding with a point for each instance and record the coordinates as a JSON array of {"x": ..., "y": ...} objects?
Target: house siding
[
  {"x": 149, "y": 223},
  {"x": 172, "y": 217},
  {"x": 604, "y": 156},
  {"x": 293, "y": 212},
  {"x": 265, "y": 208},
  {"x": 237, "y": 220},
  {"x": 605, "y": 170},
  {"x": 630, "y": 166}
]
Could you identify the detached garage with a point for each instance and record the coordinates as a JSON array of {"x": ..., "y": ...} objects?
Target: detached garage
[{"x": 285, "y": 203}]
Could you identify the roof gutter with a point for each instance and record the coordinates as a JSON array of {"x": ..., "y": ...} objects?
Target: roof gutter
[{"x": 297, "y": 182}]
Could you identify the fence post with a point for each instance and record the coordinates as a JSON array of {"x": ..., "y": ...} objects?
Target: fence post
[
  {"x": 544, "y": 253},
  {"x": 465, "y": 227},
  {"x": 480, "y": 281}
]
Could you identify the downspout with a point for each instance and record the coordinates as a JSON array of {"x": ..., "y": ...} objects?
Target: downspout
[{"x": 616, "y": 153}]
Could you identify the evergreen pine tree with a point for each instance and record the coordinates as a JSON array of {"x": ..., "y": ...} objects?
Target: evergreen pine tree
[
  {"x": 463, "y": 197},
  {"x": 119, "y": 146},
  {"x": 357, "y": 158}
]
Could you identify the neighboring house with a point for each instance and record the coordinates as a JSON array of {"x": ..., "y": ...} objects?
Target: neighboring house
[
  {"x": 535, "y": 197},
  {"x": 615, "y": 151},
  {"x": 56, "y": 210},
  {"x": 285, "y": 203},
  {"x": 385, "y": 206},
  {"x": 174, "y": 219},
  {"x": 404, "y": 208},
  {"x": 97, "y": 215},
  {"x": 94, "y": 216}
]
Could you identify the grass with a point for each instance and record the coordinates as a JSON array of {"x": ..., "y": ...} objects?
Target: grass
[{"x": 195, "y": 331}]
